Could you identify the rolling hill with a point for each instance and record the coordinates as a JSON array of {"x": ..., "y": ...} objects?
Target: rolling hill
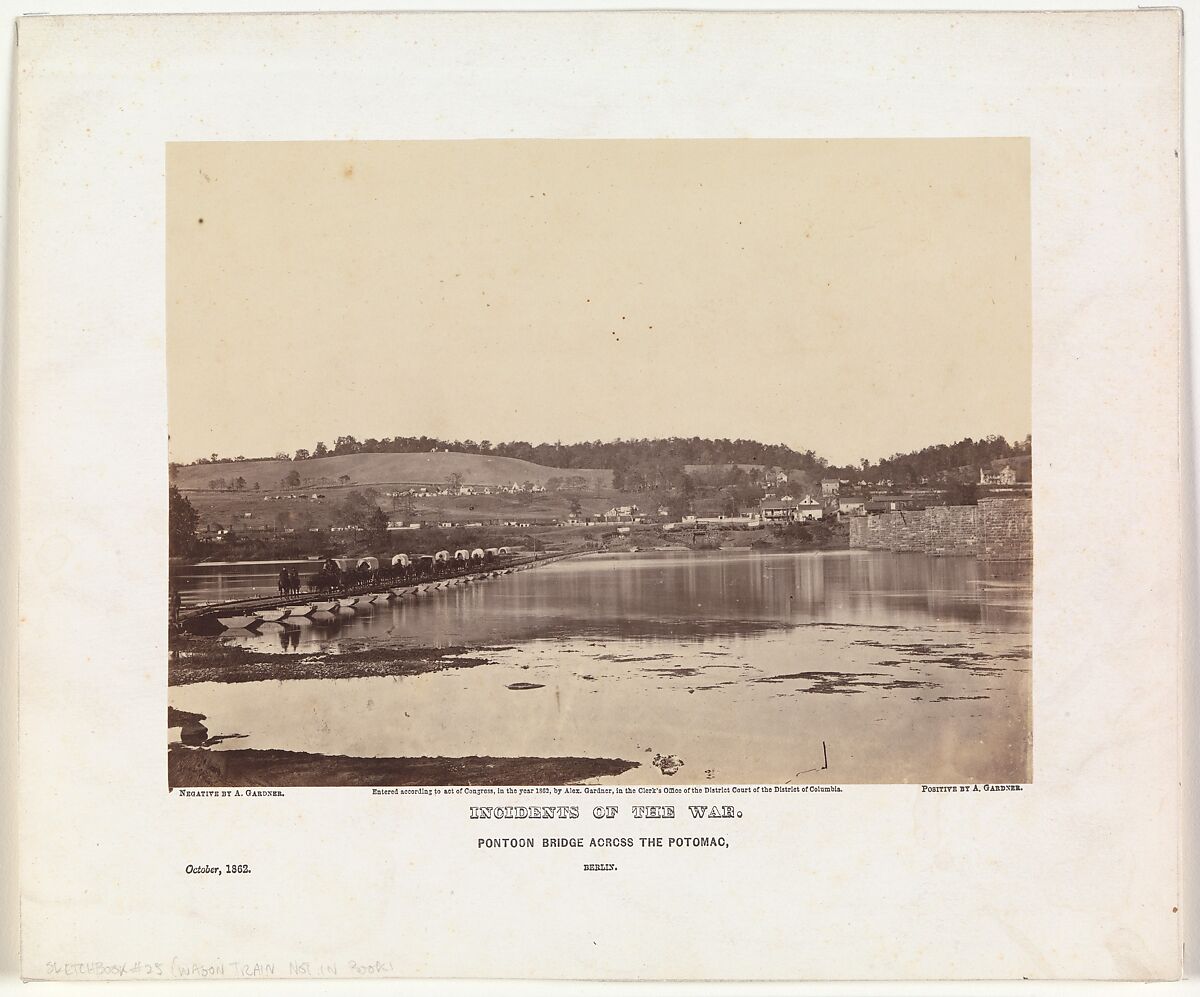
[{"x": 384, "y": 469}]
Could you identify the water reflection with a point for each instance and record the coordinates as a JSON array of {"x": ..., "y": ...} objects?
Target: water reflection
[
  {"x": 199, "y": 584},
  {"x": 692, "y": 596}
]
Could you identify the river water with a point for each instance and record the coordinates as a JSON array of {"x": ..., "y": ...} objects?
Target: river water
[
  {"x": 201, "y": 584},
  {"x": 846, "y": 666}
]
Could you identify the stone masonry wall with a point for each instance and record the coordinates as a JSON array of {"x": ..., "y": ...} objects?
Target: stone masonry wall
[
  {"x": 1006, "y": 529},
  {"x": 953, "y": 529},
  {"x": 998, "y": 529}
]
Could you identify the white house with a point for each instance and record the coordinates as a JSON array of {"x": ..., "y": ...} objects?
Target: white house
[
  {"x": 808, "y": 509},
  {"x": 623, "y": 514},
  {"x": 1005, "y": 476},
  {"x": 851, "y": 505}
]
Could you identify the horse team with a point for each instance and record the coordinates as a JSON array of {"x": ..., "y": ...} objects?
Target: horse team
[{"x": 289, "y": 582}]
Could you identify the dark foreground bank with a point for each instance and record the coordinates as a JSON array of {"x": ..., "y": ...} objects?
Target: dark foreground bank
[{"x": 197, "y": 766}]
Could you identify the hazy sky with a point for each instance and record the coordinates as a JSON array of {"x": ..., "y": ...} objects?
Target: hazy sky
[{"x": 854, "y": 298}]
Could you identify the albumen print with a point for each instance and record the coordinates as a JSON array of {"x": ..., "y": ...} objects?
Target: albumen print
[{"x": 542, "y": 461}]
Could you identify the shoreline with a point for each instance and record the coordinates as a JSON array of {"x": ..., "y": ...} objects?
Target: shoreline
[
  {"x": 195, "y": 766},
  {"x": 195, "y": 658}
]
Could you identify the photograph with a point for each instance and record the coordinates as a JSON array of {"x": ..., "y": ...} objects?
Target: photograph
[{"x": 635, "y": 462}]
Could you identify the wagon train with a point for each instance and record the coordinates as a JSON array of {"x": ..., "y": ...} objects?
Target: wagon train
[{"x": 344, "y": 584}]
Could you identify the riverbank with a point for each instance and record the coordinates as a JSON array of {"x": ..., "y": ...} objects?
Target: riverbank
[
  {"x": 197, "y": 766},
  {"x": 195, "y": 658}
]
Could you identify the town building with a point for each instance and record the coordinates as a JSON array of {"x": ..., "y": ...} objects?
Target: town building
[
  {"x": 745, "y": 520},
  {"x": 888, "y": 503},
  {"x": 808, "y": 509},
  {"x": 623, "y": 514},
  {"x": 851, "y": 505},
  {"x": 830, "y": 489},
  {"x": 1005, "y": 476}
]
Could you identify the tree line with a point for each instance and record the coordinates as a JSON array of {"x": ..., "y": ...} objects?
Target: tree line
[
  {"x": 942, "y": 462},
  {"x": 641, "y": 465},
  {"x": 633, "y": 456}
]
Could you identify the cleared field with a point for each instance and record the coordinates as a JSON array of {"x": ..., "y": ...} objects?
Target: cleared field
[
  {"x": 386, "y": 468},
  {"x": 223, "y": 508}
]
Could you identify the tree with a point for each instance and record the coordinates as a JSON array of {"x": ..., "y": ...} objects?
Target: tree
[
  {"x": 794, "y": 532},
  {"x": 239, "y": 483},
  {"x": 678, "y": 506},
  {"x": 344, "y": 479},
  {"x": 321, "y": 450},
  {"x": 376, "y": 524},
  {"x": 962, "y": 493},
  {"x": 455, "y": 481},
  {"x": 181, "y": 524},
  {"x": 576, "y": 507},
  {"x": 292, "y": 479},
  {"x": 357, "y": 510},
  {"x": 302, "y": 454}
]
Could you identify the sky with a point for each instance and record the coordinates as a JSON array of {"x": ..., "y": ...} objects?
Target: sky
[{"x": 856, "y": 298}]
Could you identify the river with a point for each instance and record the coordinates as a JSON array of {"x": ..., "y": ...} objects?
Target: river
[{"x": 723, "y": 666}]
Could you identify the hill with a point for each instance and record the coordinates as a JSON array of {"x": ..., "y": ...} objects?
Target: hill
[
  {"x": 383, "y": 469},
  {"x": 1022, "y": 466},
  {"x": 943, "y": 462},
  {"x": 712, "y": 469}
]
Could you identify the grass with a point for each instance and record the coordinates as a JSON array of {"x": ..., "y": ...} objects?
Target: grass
[{"x": 381, "y": 468}]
